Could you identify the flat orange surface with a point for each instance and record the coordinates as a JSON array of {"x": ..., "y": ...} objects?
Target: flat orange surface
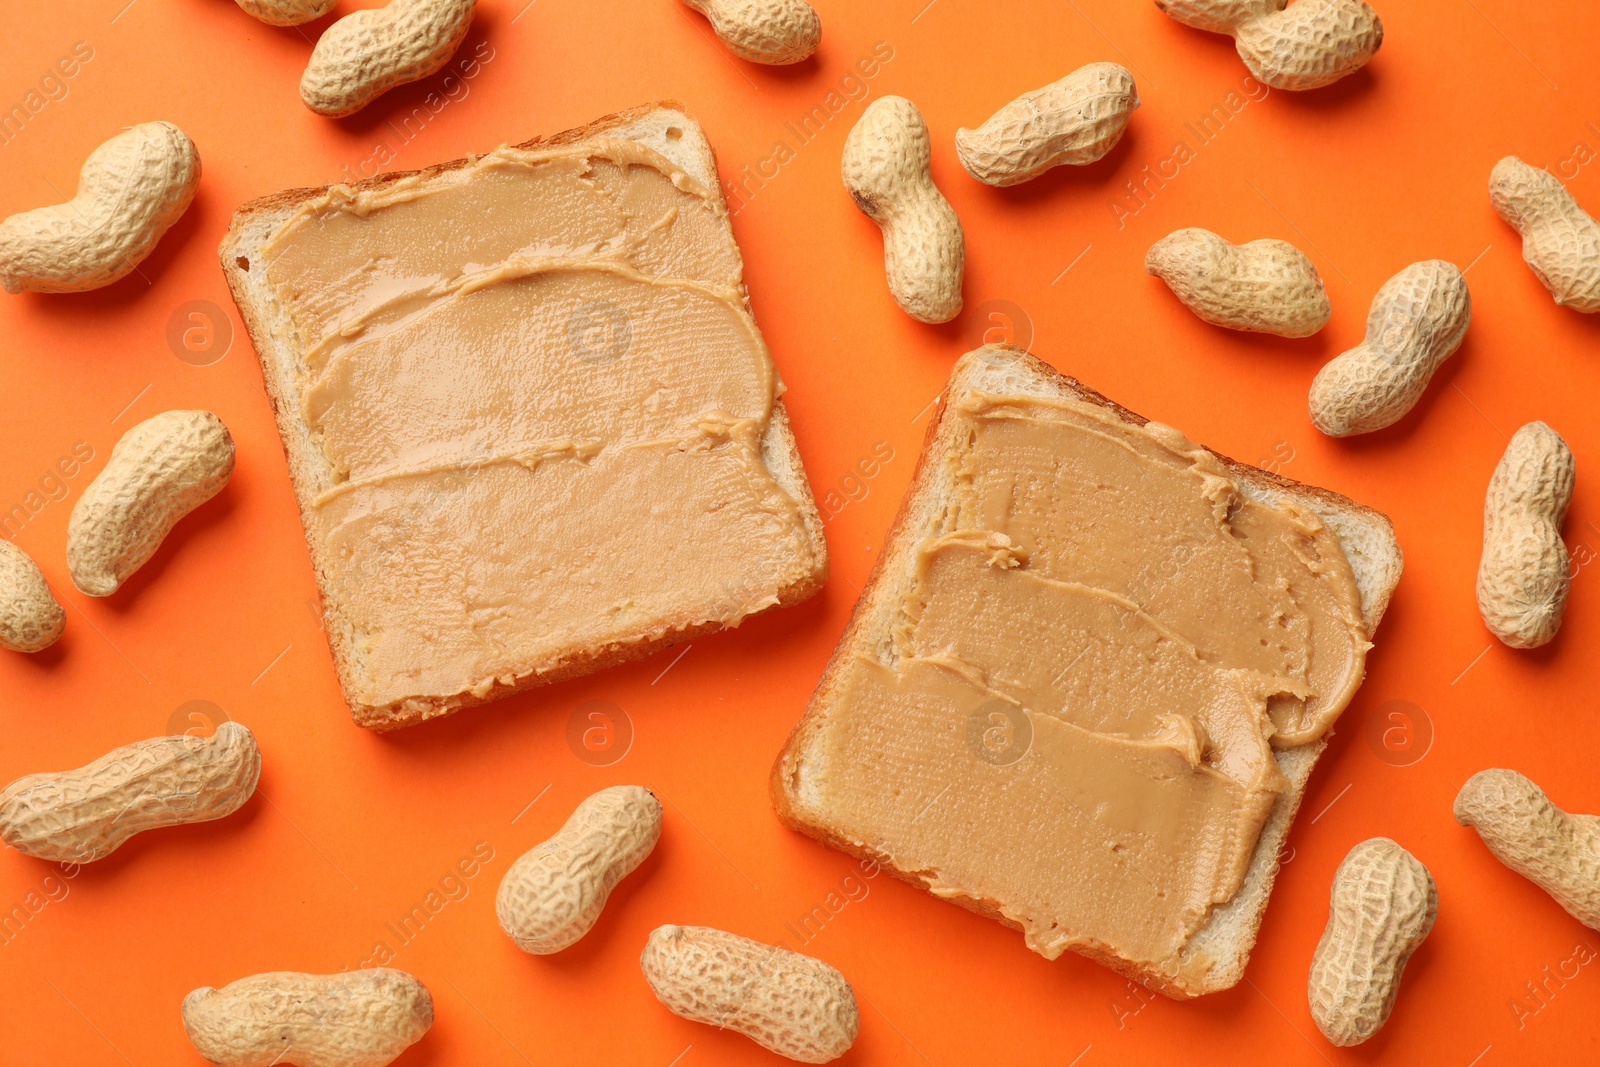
[{"x": 351, "y": 833}]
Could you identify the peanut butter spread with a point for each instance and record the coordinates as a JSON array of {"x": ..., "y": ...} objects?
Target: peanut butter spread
[
  {"x": 542, "y": 401},
  {"x": 1073, "y": 722}
]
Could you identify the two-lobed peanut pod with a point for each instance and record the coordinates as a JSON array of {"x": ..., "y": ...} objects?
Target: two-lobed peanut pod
[
  {"x": 367, "y": 53},
  {"x": 1560, "y": 240},
  {"x": 794, "y": 1005},
  {"x": 363, "y": 1018},
  {"x": 1523, "y": 573},
  {"x": 1381, "y": 907},
  {"x": 885, "y": 169},
  {"x": 1076, "y": 120},
  {"x": 774, "y": 32},
  {"x": 130, "y": 191},
  {"x": 555, "y": 891},
  {"x": 1556, "y": 851},
  {"x": 84, "y": 815},
  {"x": 159, "y": 471},
  {"x": 1416, "y": 322},
  {"x": 30, "y": 617},
  {"x": 1263, "y": 286},
  {"x": 286, "y": 12},
  {"x": 1303, "y": 45}
]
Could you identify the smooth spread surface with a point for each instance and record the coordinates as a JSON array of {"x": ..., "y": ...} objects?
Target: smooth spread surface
[
  {"x": 542, "y": 399},
  {"x": 1104, "y": 642}
]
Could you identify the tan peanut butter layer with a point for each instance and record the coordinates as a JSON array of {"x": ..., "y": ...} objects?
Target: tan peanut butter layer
[
  {"x": 543, "y": 400},
  {"x": 1104, "y": 641}
]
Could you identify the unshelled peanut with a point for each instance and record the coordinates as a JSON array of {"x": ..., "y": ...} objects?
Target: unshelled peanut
[
  {"x": 161, "y": 470},
  {"x": 84, "y": 815},
  {"x": 1076, "y": 120},
  {"x": 885, "y": 168},
  {"x": 555, "y": 891},
  {"x": 1263, "y": 286},
  {"x": 1560, "y": 240},
  {"x": 1381, "y": 908},
  {"x": 367, "y": 53},
  {"x": 1558, "y": 852},
  {"x": 1523, "y": 573},
  {"x": 30, "y": 617},
  {"x": 794, "y": 1005},
  {"x": 1303, "y": 45},
  {"x": 361, "y": 1018},
  {"x": 286, "y": 12},
  {"x": 1416, "y": 322},
  {"x": 775, "y": 32},
  {"x": 130, "y": 191}
]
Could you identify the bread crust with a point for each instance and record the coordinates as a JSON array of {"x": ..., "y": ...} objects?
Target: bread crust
[
  {"x": 1202, "y": 971},
  {"x": 250, "y": 226}
]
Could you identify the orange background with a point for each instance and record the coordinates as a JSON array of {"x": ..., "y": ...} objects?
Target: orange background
[{"x": 350, "y": 830}]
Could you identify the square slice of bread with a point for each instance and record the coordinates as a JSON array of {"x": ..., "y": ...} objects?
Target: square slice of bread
[
  {"x": 664, "y": 128},
  {"x": 1215, "y": 956}
]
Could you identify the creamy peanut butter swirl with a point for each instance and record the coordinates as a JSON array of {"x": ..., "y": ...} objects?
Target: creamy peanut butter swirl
[
  {"x": 542, "y": 401},
  {"x": 1105, "y": 639}
]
